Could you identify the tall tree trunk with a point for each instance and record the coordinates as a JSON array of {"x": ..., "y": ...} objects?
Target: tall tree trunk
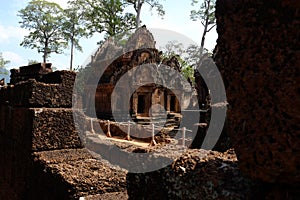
[
  {"x": 138, "y": 13},
  {"x": 44, "y": 57},
  {"x": 72, "y": 53},
  {"x": 202, "y": 43},
  {"x": 45, "y": 51},
  {"x": 72, "y": 46},
  {"x": 205, "y": 29},
  {"x": 203, "y": 90}
]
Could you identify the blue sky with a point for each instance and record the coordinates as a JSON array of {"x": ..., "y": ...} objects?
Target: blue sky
[{"x": 11, "y": 35}]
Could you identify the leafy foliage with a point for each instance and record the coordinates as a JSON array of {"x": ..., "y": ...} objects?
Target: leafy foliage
[
  {"x": 206, "y": 15},
  {"x": 188, "y": 57},
  {"x": 193, "y": 54},
  {"x": 175, "y": 48},
  {"x": 74, "y": 28},
  {"x": 206, "y": 11},
  {"x": 3, "y": 64},
  {"x": 138, "y": 4},
  {"x": 52, "y": 29},
  {"x": 188, "y": 73},
  {"x": 31, "y": 62},
  {"x": 105, "y": 16},
  {"x": 44, "y": 20}
]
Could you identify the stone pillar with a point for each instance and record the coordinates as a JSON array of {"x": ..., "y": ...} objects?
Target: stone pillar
[{"x": 258, "y": 55}]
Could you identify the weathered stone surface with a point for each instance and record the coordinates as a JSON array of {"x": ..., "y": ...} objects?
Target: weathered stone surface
[
  {"x": 258, "y": 55},
  {"x": 14, "y": 168},
  {"x": 108, "y": 196},
  {"x": 40, "y": 129},
  {"x": 70, "y": 174},
  {"x": 53, "y": 129},
  {"x": 131, "y": 156},
  {"x": 197, "y": 174},
  {"x": 109, "y": 50},
  {"x": 35, "y": 71},
  {"x": 15, "y": 152},
  {"x": 142, "y": 38},
  {"x": 54, "y": 90},
  {"x": 24, "y": 130}
]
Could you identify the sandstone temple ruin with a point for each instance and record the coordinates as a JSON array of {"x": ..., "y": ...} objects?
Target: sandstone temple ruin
[
  {"x": 140, "y": 50},
  {"x": 43, "y": 157}
]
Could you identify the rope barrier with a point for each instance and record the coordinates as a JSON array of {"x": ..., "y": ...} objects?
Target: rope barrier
[
  {"x": 195, "y": 110},
  {"x": 184, "y": 130},
  {"x": 180, "y": 129}
]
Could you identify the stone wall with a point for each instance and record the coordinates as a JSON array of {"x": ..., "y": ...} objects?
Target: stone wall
[
  {"x": 258, "y": 56},
  {"x": 42, "y": 156}
]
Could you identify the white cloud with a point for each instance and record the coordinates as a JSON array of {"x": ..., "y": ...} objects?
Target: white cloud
[
  {"x": 11, "y": 33},
  {"x": 15, "y": 59}
]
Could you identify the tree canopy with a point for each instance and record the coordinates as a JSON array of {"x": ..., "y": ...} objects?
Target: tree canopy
[
  {"x": 105, "y": 16},
  {"x": 184, "y": 57},
  {"x": 74, "y": 28},
  {"x": 52, "y": 29},
  {"x": 44, "y": 21},
  {"x": 3, "y": 62},
  {"x": 206, "y": 15},
  {"x": 138, "y": 4}
]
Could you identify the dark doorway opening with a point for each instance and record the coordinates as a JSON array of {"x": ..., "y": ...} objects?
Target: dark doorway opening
[
  {"x": 141, "y": 103},
  {"x": 173, "y": 104}
]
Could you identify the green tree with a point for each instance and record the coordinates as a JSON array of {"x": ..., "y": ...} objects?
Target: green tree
[
  {"x": 31, "y": 62},
  {"x": 175, "y": 48},
  {"x": 138, "y": 4},
  {"x": 44, "y": 20},
  {"x": 3, "y": 64},
  {"x": 188, "y": 73},
  {"x": 105, "y": 16},
  {"x": 206, "y": 15},
  {"x": 74, "y": 29},
  {"x": 193, "y": 53}
]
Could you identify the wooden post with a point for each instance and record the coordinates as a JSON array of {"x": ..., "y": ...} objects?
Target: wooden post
[
  {"x": 128, "y": 131},
  {"x": 108, "y": 134},
  {"x": 153, "y": 142},
  {"x": 92, "y": 126},
  {"x": 183, "y": 136}
]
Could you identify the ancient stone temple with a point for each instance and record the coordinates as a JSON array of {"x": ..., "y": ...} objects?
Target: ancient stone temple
[
  {"x": 42, "y": 155},
  {"x": 140, "y": 62}
]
